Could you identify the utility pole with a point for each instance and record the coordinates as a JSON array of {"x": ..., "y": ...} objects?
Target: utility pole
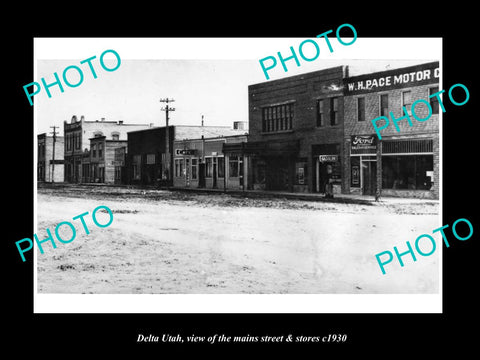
[
  {"x": 54, "y": 132},
  {"x": 167, "y": 139}
]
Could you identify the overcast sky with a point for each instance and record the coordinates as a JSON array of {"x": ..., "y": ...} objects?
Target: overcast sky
[{"x": 216, "y": 88}]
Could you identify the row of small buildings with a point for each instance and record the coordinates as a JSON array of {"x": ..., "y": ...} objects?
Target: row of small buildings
[{"x": 304, "y": 132}]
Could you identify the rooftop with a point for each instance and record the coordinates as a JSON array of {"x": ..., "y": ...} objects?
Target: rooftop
[{"x": 185, "y": 132}]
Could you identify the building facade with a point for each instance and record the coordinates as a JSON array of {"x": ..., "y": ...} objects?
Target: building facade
[
  {"x": 103, "y": 162},
  {"x": 201, "y": 163},
  {"x": 77, "y": 135},
  {"x": 296, "y": 132},
  {"x": 50, "y": 162},
  {"x": 150, "y": 162},
  {"x": 146, "y": 159},
  {"x": 403, "y": 162}
]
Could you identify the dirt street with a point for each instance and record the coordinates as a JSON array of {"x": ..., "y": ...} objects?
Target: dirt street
[{"x": 171, "y": 242}]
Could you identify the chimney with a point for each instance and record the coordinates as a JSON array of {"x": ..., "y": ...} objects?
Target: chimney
[
  {"x": 202, "y": 120},
  {"x": 151, "y": 124},
  {"x": 82, "y": 118},
  {"x": 74, "y": 119},
  {"x": 103, "y": 119},
  {"x": 120, "y": 122},
  {"x": 239, "y": 125}
]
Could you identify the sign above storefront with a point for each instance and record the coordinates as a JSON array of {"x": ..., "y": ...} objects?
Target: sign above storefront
[
  {"x": 363, "y": 143},
  {"x": 185, "y": 152},
  {"x": 328, "y": 158},
  {"x": 393, "y": 79}
]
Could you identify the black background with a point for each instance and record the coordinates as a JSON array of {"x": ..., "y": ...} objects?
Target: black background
[{"x": 378, "y": 335}]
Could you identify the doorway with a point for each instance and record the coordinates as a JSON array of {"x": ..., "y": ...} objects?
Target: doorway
[
  {"x": 201, "y": 174},
  {"x": 214, "y": 173},
  {"x": 369, "y": 177}
]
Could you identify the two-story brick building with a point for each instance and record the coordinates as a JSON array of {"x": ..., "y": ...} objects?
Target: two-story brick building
[
  {"x": 401, "y": 163},
  {"x": 296, "y": 132}
]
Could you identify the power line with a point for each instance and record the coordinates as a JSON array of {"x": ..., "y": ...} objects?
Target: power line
[{"x": 167, "y": 109}]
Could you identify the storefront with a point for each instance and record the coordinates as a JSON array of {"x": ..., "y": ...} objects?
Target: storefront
[
  {"x": 326, "y": 168},
  {"x": 401, "y": 167},
  {"x": 408, "y": 167},
  {"x": 202, "y": 163},
  {"x": 363, "y": 164},
  {"x": 406, "y": 161},
  {"x": 271, "y": 165}
]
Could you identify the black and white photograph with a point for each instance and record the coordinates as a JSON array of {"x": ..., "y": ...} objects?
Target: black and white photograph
[{"x": 218, "y": 181}]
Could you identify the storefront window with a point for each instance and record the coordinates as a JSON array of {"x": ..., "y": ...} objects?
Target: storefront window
[
  {"x": 194, "y": 168},
  {"x": 178, "y": 167},
  {"x": 412, "y": 172},
  {"x": 221, "y": 167},
  {"x": 209, "y": 167},
  {"x": 150, "y": 159},
  {"x": 355, "y": 171},
  {"x": 235, "y": 166}
]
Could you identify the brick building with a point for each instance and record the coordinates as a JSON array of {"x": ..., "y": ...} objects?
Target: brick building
[
  {"x": 77, "y": 135},
  {"x": 50, "y": 165},
  {"x": 296, "y": 132},
  {"x": 402, "y": 163}
]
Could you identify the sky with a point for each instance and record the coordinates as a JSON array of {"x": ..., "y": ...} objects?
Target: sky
[
  {"x": 217, "y": 89},
  {"x": 212, "y": 81}
]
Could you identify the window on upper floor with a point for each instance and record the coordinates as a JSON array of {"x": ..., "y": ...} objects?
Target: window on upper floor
[
  {"x": 384, "y": 105},
  {"x": 361, "y": 109},
  {"x": 78, "y": 144},
  {"x": 333, "y": 111},
  {"x": 434, "y": 99},
  {"x": 320, "y": 113},
  {"x": 407, "y": 100},
  {"x": 277, "y": 118}
]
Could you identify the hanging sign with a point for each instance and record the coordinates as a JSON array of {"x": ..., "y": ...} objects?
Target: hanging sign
[{"x": 328, "y": 158}]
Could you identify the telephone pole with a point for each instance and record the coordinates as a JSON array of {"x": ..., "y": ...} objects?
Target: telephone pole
[
  {"x": 54, "y": 132},
  {"x": 167, "y": 109}
]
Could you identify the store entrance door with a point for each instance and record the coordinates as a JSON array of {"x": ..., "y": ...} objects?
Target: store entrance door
[
  {"x": 277, "y": 174},
  {"x": 201, "y": 175},
  {"x": 369, "y": 177}
]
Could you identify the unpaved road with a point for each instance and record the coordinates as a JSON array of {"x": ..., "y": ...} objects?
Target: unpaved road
[{"x": 162, "y": 242}]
